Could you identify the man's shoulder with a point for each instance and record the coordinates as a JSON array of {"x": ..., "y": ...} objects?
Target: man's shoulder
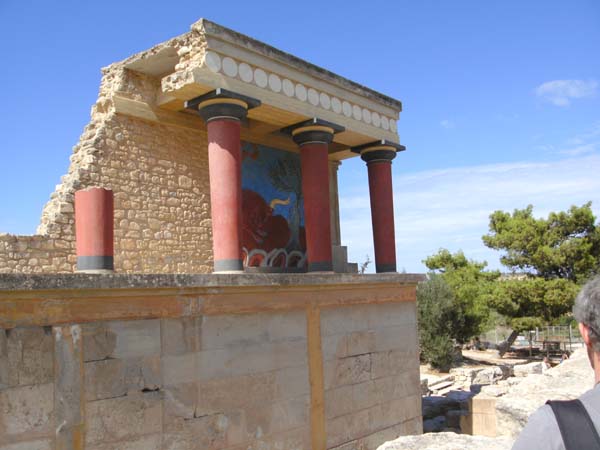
[{"x": 541, "y": 432}]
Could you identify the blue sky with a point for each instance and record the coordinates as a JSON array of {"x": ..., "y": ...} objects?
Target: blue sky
[{"x": 501, "y": 100}]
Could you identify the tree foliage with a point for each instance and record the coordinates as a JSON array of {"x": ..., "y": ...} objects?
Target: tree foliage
[
  {"x": 533, "y": 302},
  {"x": 437, "y": 316},
  {"x": 471, "y": 286},
  {"x": 565, "y": 245}
]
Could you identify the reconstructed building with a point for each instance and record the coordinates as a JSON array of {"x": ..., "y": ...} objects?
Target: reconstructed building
[{"x": 207, "y": 180}]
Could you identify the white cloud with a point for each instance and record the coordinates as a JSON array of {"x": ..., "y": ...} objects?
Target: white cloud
[
  {"x": 450, "y": 208},
  {"x": 447, "y": 124},
  {"x": 578, "y": 145},
  {"x": 561, "y": 92}
]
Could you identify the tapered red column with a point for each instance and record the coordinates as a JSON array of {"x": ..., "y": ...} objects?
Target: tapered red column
[
  {"x": 94, "y": 230},
  {"x": 223, "y": 111},
  {"x": 379, "y": 156},
  {"x": 313, "y": 138}
]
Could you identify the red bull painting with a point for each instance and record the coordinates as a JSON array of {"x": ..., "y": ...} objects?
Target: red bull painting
[{"x": 273, "y": 235}]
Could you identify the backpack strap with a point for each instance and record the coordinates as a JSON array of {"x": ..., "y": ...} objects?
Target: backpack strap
[{"x": 575, "y": 425}]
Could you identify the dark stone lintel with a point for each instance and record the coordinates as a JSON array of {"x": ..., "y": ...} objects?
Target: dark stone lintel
[
  {"x": 378, "y": 155},
  {"x": 312, "y": 135},
  {"x": 224, "y": 110}
]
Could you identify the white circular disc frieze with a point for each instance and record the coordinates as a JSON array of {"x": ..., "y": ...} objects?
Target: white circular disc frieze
[
  {"x": 393, "y": 126},
  {"x": 288, "y": 87},
  {"x": 246, "y": 73},
  {"x": 336, "y": 105},
  {"x": 230, "y": 67},
  {"x": 313, "y": 97},
  {"x": 260, "y": 78},
  {"x": 375, "y": 119},
  {"x": 385, "y": 123},
  {"x": 347, "y": 109},
  {"x": 274, "y": 83},
  {"x": 366, "y": 115},
  {"x": 324, "y": 100},
  {"x": 212, "y": 61},
  {"x": 357, "y": 112},
  {"x": 301, "y": 92}
]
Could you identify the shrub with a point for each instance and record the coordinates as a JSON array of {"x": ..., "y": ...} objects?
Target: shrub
[{"x": 438, "y": 317}]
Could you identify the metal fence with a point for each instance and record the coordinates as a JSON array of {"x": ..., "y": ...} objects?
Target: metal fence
[{"x": 567, "y": 337}]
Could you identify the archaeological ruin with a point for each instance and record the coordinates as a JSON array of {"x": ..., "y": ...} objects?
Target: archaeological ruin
[{"x": 187, "y": 287}]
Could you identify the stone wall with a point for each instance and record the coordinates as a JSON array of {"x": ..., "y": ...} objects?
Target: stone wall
[
  {"x": 371, "y": 382},
  {"x": 235, "y": 365}
]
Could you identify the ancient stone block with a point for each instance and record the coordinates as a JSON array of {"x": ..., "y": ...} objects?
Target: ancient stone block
[
  {"x": 200, "y": 432},
  {"x": 392, "y": 362},
  {"x": 104, "y": 379},
  {"x": 181, "y": 335},
  {"x": 43, "y": 444},
  {"x": 402, "y": 337},
  {"x": 27, "y": 410},
  {"x": 29, "y": 356},
  {"x": 270, "y": 419},
  {"x": 231, "y": 393},
  {"x": 180, "y": 402},
  {"x": 98, "y": 341},
  {"x": 350, "y": 370},
  {"x": 340, "y": 400},
  {"x": 123, "y": 418},
  {"x": 179, "y": 369},
  {"x": 152, "y": 442},
  {"x": 247, "y": 359},
  {"x": 143, "y": 374},
  {"x": 347, "y": 428},
  {"x": 136, "y": 338},
  {"x": 292, "y": 382}
]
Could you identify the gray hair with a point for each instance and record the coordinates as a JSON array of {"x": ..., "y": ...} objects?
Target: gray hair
[{"x": 587, "y": 309}]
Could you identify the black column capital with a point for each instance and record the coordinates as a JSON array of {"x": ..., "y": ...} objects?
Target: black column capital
[
  {"x": 222, "y": 104},
  {"x": 313, "y": 131},
  {"x": 378, "y": 151}
]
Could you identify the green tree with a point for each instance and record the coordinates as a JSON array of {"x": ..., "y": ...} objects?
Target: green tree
[
  {"x": 532, "y": 302},
  {"x": 437, "y": 315},
  {"x": 471, "y": 286},
  {"x": 565, "y": 245}
]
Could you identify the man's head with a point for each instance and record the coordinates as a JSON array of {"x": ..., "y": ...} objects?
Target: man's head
[{"x": 587, "y": 313}]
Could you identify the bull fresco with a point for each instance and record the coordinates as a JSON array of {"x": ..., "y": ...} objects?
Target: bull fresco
[{"x": 272, "y": 209}]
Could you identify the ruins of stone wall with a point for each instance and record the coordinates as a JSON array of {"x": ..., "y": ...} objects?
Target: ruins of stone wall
[
  {"x": 230, "y": 367},
  {"x": 159, "y": 175}
]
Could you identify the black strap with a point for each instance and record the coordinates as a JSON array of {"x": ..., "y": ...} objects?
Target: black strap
[{"x": 575, "y": 424}]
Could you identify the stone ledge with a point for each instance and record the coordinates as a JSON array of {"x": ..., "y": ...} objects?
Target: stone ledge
[{"x": 29, "y": 282}]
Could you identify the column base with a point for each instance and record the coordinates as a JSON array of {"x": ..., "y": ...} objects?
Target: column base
[
  {"x": 96, "y": 271},
  {"x": 382, "y": 268},
  {"x": 320, "y": 266},
  {"x": 95, "y": 264},
  {"x": 228, "y": 266}
]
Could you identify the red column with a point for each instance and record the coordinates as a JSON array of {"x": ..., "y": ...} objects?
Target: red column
[
  {"x": 94, "y": 230},
  {"x": 224, "y": 165},
  {"x": 223, "y": 112},
  {"x": 382, "y": 214},
  {"x": 317, "y": 217},
  {"x": 313, "y": 137},
  {"x": 378, "y": 156}
]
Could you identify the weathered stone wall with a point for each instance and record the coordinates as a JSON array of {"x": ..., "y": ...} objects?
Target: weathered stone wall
[
  {"x": 371, "y": 374},
  {"x": 201, "y": 377},
  {"x": 159, "y": 175}
]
